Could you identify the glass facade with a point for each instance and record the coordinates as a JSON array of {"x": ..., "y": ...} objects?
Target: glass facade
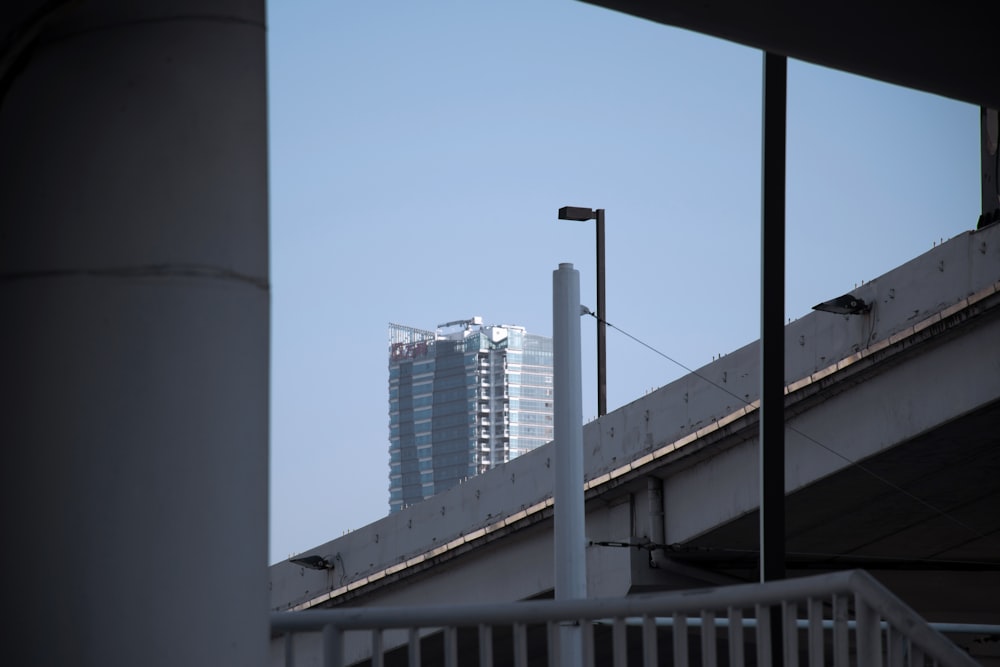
[{"x": 462, "y": 400}]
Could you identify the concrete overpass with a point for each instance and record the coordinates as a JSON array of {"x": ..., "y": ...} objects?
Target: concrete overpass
[{"x": 892, "y": 464}]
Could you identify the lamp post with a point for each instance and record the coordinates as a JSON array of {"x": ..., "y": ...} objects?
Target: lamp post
[{"x": 582, "y": 214}]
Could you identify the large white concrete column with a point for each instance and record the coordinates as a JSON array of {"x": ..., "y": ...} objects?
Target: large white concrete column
[{"x": 134, "y": 338}]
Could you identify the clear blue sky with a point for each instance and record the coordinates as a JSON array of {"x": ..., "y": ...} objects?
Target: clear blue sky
[{"x": 421, "y": 150}]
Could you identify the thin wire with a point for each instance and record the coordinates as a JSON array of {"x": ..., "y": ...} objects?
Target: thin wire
[{"x": 811, "y": 439}]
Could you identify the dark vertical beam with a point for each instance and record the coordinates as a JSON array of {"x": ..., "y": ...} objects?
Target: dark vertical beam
[
  {"x": 602, "y": 323},
  {"x": 989, "y": 132},
  {"x": 772, "y": 322},
  {"x": 772, "y": 335}
]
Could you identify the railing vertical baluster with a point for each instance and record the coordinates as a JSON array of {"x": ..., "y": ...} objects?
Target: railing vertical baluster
[
  {"x": 708, "y": 649},
  {"x": 841, "y": 633},
  {"x": 289, "y": 649},
  {"x": 413, "y": 650},
  {"x": 587, "y": 637},
  {"x": 520, "y": 645},
  {"x": 814, "y": 643},
  {"x": 378, "y": 659},
  {"x": 333, "y": 648},
  {"x": 764, "y": 648},
  {"x": 869, "y": 634},
  {"x": 896, "y": 646},
  {"x": 680, "y": 640},
  {"x": 735, "y": 616},
  {"x": 649, "y": 641},
  {"x": 451, "y": 646},
  {"x": 553, "y": 642},
  {"x": 486, "y": 645},
  {"x": 619, "y": 644},
  {"x": 790, "y": 633}
]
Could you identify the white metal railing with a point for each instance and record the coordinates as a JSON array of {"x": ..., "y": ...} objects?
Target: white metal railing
[{"x": 839, "y": 619}]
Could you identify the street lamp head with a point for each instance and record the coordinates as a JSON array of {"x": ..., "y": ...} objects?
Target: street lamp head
[
  {"x": 844, "y": 305},
  {"x": 313, "y": 562},
  {"x": 576, "y": 213}
]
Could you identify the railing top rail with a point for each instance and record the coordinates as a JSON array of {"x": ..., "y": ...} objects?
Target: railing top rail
[{"x": 541, "y": 611}]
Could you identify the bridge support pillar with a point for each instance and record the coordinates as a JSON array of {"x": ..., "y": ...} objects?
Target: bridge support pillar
[{"x": 134, "y": 345}]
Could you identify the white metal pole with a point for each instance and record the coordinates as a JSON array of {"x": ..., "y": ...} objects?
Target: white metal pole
[{"x": 570, "y": 542}]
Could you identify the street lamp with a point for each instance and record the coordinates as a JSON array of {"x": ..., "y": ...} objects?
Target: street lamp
[{"x": 582, "y": 214}]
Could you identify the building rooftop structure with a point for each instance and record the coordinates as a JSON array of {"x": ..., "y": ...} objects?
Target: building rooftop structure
[{"x": 946, "y": 52}]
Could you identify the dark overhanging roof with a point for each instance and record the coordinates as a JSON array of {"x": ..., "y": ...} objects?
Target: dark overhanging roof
[{"x": 949, "y": 49}]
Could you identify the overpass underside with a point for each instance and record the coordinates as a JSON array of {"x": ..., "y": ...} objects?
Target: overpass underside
[
  {"x": 924, "y": 517},
  {"x": 939, "y": 512}
]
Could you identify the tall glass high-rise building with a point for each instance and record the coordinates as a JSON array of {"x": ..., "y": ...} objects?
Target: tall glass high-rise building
[{"x": 463, "y": 399}]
